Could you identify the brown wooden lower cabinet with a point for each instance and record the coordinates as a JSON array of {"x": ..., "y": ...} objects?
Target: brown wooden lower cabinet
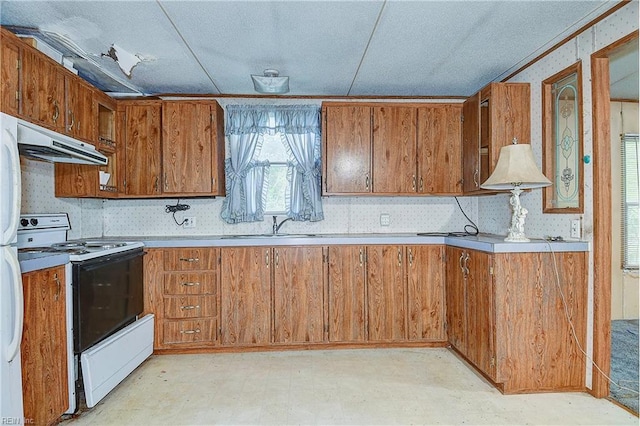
[
  {"x": 298, "y": 295},
  {"x": 181, "y": 289},
  {"x": 501, "y": 311},
  {"x": 505, "y": 314},
  {"x": 44, "y": 346},
  {"x": 245, "y": 296}
]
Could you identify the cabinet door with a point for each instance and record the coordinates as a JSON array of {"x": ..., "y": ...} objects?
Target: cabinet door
[
  {"x": 455, "y": 297},
  {"x": 347, "y": 140},
  {"x": 440, "y": 149},
  {"x": 142, "y": 148},
  {"x": 298, "y": 295},
  {"x": 347, "y": 280},
  {"x": 245, "y": 292},
  {"x": 480, "y": 313},
  {"x": 44, "y": 346},
  {"x": 42, "y": 90},
  {"x": 425, "y": 293},
  {"x": 386, "y": 292},
  {"x": 80, "y": 109},
  {"x": 187, "y": 147},
  {"x": 394, "y": 150},
  {"x": 471, "y": 144},
  {"x": 9, "y": 75}
]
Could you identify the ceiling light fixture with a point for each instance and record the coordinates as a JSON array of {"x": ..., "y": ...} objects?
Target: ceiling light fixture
[{"x": 270, "y": 82}]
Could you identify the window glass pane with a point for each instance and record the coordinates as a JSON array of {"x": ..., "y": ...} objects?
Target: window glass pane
[
  {"x": 630, "y": 192},
  {"x": 273, "y": 149},
  {"x": 276, "y": 189}
]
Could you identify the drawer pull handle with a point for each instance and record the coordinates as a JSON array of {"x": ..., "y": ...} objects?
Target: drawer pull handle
[
  {"x": 189, "y": 259},
  {"x": 190, "y": 284},
  {"x": 189, "y": 307},
  {"x": 197, "y": 330}
]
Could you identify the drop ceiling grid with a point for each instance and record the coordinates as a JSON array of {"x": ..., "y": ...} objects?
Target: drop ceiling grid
[{"x": 318, "y": 46}]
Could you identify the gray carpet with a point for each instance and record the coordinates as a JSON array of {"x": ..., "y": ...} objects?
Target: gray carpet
[{"x": 624, "y": 362}]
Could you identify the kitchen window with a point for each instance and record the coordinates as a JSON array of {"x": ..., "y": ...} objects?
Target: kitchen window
[
  {"x": 274, "y": 163},
  {"x": 630, "y": 217}
]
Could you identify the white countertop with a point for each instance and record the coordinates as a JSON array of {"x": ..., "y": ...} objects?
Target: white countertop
[{"x": 482, "y": 242}]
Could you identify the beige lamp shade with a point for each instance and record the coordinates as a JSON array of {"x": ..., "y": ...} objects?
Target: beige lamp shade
[{"x": 516, "y": 167}]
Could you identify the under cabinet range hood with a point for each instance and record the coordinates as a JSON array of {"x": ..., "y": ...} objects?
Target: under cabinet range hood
[{"x": 43, "y": 144}]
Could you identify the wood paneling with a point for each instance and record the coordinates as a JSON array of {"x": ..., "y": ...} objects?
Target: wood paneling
[
  {"x": 246, "y": 296},
  {"x": 425, "y": 293},
  {"x": 76, "y": 180},
  {"x": 347, "y": 153},
  {"x": 386, "y": 293},
  {"x": 347, "y": 280},
  {"x": 44, "y": 346},
  {"x": 298, "y": 295},
  {"x": 439, "y": 149},
  {"x": 394, "y": 150}
]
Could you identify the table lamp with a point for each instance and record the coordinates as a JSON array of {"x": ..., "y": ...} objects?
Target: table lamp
[{"x": 516, "y": 170}]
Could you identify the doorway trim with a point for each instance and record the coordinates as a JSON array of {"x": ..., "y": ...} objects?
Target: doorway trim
[{"x": 601, "y": 148}]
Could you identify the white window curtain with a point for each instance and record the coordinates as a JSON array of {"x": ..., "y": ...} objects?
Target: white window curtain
[
  {"x": 246, "y": 178},
  {"x": 300, "y": 130}
]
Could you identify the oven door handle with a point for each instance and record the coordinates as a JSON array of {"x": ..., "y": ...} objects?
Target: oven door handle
[{"x": 97, "y": 262}]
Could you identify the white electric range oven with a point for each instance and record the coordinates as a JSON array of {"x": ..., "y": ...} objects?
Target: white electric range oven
[{"x": 109, "y": 337}]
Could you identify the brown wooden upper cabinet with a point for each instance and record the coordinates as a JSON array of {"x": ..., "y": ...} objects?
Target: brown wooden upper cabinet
[
  {"x": 10, "y": 52},
  {"x": 43, "y": 90},
  {"x": 193, "y": 148},
  {"x": 391, "y": 149},
  {"x": 493, "y": 117},
  {"x": 140, "y": 123}
]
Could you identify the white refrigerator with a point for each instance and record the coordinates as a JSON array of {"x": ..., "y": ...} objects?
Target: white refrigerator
[{"x": 11, "y": 297}]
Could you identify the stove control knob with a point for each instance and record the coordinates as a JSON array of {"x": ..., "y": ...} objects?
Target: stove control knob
[
  {"x": 34, "y": 222},
  {"x": 24, "y": 222}
]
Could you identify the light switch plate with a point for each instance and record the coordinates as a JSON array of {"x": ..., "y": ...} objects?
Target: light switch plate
[
  {"x": 189, "y": 222},
  {"x": 385, "y": 219}
]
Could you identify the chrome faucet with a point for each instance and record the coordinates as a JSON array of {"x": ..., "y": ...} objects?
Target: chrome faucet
[{"x": 277, "y": 226}]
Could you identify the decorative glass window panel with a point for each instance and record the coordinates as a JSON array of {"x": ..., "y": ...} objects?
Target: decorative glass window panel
[{"x": 562, "y": 140}]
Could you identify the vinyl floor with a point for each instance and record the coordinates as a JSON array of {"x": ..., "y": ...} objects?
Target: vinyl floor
[{"x": 341, "y": 387}]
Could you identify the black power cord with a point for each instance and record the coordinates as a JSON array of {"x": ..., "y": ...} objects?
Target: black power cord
[
  {"x": 470, "y": 225},
  {"x": 177, "y": 208}
]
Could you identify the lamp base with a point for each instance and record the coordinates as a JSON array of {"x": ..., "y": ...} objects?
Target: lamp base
[{"x": 516, "y": 231}]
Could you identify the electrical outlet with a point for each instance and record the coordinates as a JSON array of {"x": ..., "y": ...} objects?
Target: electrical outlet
[
  {"x": 575, "y": 228},
  {"x": 189, "y": 222},
  {"x": 385, "y": 219}
]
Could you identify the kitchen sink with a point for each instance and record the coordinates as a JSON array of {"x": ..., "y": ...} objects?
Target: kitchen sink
[{"x": 270, "y": 236}]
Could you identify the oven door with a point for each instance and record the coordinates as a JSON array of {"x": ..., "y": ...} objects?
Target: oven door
[{"x": 107, "y": 296}]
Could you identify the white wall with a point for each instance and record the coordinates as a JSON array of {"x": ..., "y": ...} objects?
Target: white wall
[
  {"x": 624, "y": 284},
  {"x": 494, "y": 211},
  {"x": 38, "y": 191}
]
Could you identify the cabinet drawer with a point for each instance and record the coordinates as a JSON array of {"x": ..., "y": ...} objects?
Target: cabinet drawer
[
  {"x": 189, "y": 306},
  {"x": 189, "y": 331},
  {"x": 189, "y": 283},
  {"x": 190, "y": 259}
]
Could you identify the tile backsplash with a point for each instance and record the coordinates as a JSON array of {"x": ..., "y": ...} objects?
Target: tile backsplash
[
  {"x": 342, "y": 215},
  {"x": 140, "y": 217}
]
